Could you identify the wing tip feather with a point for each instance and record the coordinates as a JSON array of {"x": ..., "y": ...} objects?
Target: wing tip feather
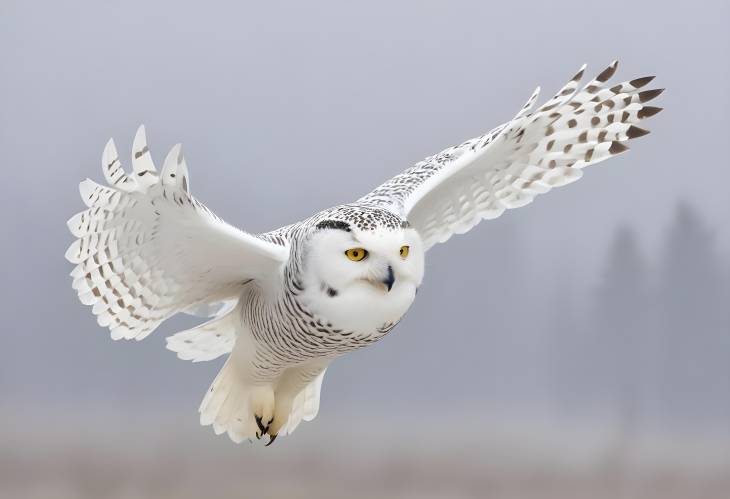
[
  {"x": 647, "y": 95},
  {"x": 641, "y": 82},
  {"x": 649, "y": 111},
  {"x": 580, "y": 73},
  {"x": 607, "y": 73},
  {"x": 617, "y": 148},
  {"x": 634, "y": 132}
]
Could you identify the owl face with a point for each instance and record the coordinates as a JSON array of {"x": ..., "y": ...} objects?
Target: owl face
[{"x": 361, "y": 280}]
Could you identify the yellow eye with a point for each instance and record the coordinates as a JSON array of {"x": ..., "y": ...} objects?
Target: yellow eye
[
  {"x": 404, "y": 251},
  {"x": 356, "y": 254}
]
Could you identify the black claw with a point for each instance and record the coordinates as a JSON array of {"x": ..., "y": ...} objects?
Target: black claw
[
  {"x": 271, "y": 440},
  {"x": 258, "y": 436},
  {"x": 260, "y": 425}
]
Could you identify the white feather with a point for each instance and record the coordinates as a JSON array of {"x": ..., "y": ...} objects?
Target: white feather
[
  {"x": 506, "y": 168},
  {"x": 145, "y": 252}
]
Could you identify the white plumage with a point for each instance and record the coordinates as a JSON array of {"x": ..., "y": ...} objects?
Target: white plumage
[{"x": 287, "y": 302}]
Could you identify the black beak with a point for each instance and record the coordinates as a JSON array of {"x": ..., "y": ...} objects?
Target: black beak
[{"x": 390, "y": 279}]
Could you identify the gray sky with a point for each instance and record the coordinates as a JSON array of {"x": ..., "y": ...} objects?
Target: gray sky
[{"x": 285, "y": 110}]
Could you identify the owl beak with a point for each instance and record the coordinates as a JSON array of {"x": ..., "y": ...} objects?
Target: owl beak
[{"x": 388, "y": 281}]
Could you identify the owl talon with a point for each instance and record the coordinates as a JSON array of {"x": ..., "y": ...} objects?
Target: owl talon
[
  {"x": 271, "y": 440},
  {"x": 261, "y": 426}
]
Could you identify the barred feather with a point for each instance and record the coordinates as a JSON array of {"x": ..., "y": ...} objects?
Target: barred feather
[
  {"x": 451, "y": 192},
  {"x": 144, "y": 246}
]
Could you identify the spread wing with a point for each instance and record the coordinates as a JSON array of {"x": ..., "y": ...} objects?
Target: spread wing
[
  {"x": 146, "y": 249},
  {"x": 451, "y": 192}
]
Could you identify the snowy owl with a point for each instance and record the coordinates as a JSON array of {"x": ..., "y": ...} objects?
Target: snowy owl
[{"x": 284, "y": 304}]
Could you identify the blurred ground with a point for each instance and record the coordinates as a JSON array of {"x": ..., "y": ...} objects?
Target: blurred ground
[{"x": 368, "y": 458}]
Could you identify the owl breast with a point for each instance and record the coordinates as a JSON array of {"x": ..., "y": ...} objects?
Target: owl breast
[{"x": 363, "y": 312}]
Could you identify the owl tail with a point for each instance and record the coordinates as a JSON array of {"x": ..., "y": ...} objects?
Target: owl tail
[{"x": 232, "y": 402}]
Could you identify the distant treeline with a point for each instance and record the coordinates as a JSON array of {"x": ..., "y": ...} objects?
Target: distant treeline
[{"x": 654, "y": 341}]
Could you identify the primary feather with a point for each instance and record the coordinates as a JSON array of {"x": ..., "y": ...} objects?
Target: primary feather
[{"x": 452, "y": 191}]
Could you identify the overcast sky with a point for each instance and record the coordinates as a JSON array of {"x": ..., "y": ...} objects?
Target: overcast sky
[{"x": 286, "y": 110}]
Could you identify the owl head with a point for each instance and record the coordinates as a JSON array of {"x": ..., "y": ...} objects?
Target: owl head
[{"x": 361, "y": 268}]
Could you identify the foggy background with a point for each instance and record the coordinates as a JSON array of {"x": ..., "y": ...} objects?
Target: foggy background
[{"x": 578, "y": 347}]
